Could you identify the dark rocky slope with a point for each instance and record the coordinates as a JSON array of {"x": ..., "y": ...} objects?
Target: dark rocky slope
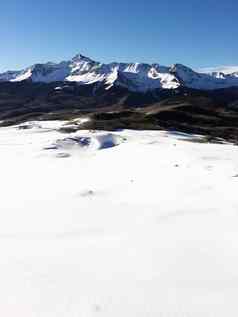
[{"x": 214, "y": 113}]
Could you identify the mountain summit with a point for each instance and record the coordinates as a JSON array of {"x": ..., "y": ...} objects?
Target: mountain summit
[{"x": 139, "y": 77}]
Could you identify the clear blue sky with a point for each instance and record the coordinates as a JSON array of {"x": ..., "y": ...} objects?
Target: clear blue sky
[{"x": 194, "y": 32}]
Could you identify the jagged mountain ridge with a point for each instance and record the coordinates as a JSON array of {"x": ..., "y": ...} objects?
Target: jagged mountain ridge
[{"x": 138, "y": 77}]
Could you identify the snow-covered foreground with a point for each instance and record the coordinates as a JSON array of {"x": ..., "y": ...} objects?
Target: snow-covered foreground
[{"x": 148, "y": 227}]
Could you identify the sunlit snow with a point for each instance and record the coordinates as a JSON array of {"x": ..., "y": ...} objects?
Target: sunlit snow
[{"x": 127, "y": 223}]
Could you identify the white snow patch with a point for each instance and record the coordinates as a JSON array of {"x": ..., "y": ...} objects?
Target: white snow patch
[{"x": 23, "y": 76}]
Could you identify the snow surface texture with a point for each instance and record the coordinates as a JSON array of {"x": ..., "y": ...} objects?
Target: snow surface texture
[
  {"x": 146, "y": 226},
  {"x": 134, "y": 76}
]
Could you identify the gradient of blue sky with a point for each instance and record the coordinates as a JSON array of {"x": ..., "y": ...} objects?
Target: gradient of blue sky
[{"x": 194, "y": 32}]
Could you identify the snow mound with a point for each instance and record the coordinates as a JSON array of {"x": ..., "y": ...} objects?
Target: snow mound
[
  {"x": 69, "y": 143},
  {"x": 97, "y": 142},
  {"x": 29, "y": 125},
  {"x": 108, "y": 140}
]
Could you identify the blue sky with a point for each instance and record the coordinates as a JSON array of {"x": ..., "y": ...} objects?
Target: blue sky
[{"x": 193, "y": 32}]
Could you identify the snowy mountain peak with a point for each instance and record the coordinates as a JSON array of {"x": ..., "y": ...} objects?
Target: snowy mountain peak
[
  {"x": 226, "y": 70},
  {"x": 182, "y": 70},
  {"x": 81, "y": 58},
  {"x": 133, "y": 76}
]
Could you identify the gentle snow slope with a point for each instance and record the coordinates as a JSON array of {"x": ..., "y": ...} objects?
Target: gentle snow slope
[{"x": 144, "y": 227}]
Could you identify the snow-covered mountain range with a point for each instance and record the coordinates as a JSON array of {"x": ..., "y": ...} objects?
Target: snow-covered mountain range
[{"x": 133, "y": 76}]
